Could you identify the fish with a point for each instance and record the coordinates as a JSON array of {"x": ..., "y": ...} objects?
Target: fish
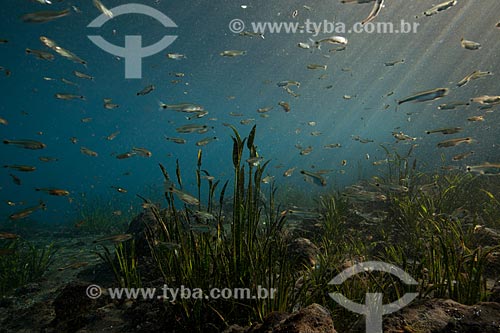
[
  {"x": 88, "y": 152},
  {"x": 115, "y": 238},
  {"x": 44, "y": 16},
  {"x": 454, "y": 142},
  {"x": 452, "y": 105},
  {"x": 69, "y": 82},
  {"x": 43, "y": 55},
  {"x": 73, "y": 140},
  {"x": 8, "y": 235},
  {"x": 192, "y": 128},
  {"x": 99, "y": 5},
  {"x": 119, "y": 189},
  {"x": 395, "y": 62},
  {"x": 68, "y": 97},
  {"x": 146, "y": 90},
  {"x": 3, "y": 121},
  {"x": 476, "y": 118},
  {"x": 306, "y": 151},
  {"x": 446, "y": 131},
  {"x": 266, "y": 109},
  {"x": 316, "y": 177},
  {"x": 109, "y": 105},
  {"x": 175, "y": 56},
  {"x": 26, "y": 144},
  {"x": 28, "y": 211},
  {"x": 176, "y": 140},
  {"x": 400, "y": 136},
  {"x": 251, "y": 34},
  {"x": 441, "y": 7},
  {"x": 204, "y": 142},
  {"x": 142, "y": 152},
  {"x": 205, "y": 216},
  {"x": 428, "y": 95},
  {"x": 183, "y": 196},
  {"x": 62, "y": 52},
  {"x": 289, "y": 172},
  {"x": 247, "y": 121},
  {"x": 358, "y": 138},
  {"x": 182, "y": 107},
  {"x": 356, "y": 1},
  {"x": 125, "y": 155},
  {"x": 53, "y": 191},
  {"x": 332, "y": 145},
  {"x": 254, "y": 161},
  {"x": 232, "y": 53},
  {"x": 380, "y": 162},
  {"x": 15, "y": 179},
  {"x": 317, "y": 66},
  {"x": 22, "y": 168},
  {"x": 316, "y": 133},
  {"x": 86, "y": 120},
  {"x": 473, "y": 76},
  {"x": 332, "y": 40},
  {"x": 285, "y": 106},
  {"x": 486, "y": 100},
  {"x": 74, "y": 265},
  {"x": 201, "y": 228},
  {"x": 112, "y": 136},
  {"x": 462, "y": 156},
  {"x": 486, "y": 169},
  {"x": 83, "y": 75},
  {"x": 377, "y": 7},
  {"x": 392, "y": 188},
  {"x": 343, "y": 162},
  {"x": 48, "y": 159},
  {"x": 469, "y": 45},
  {"x": 267, "y": 179},
  {"x": 304, "y": 45}
]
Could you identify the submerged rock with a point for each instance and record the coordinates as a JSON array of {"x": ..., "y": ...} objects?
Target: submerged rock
[
  {"x": 73, "y": 308},
  {"x": 302, "y": 253},
  {"x": 139, "y": 228},
  {"x": 312, "y": 319},
  {"x": 441, "y": 316}
]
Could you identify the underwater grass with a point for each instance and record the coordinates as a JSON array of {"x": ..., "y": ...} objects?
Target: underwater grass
[
  {"x": 428, "y": 232},
  {"x": 249, "y": 251},
  {"x": 22, "y": 262},
  {"x": 124, "y": 264},
  {"x": 96, "y": 216}
]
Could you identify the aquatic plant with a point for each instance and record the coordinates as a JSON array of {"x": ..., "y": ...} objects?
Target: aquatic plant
[
  {"x": 200, "y": 249},
  {"x": 124, "y": 264},
  {"x": 22, "y": 262},
  {"x": 97, "y": 216}
]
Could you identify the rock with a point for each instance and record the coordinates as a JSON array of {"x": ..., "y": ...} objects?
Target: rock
[
  {"x": 495, "y": 292},
  {"x": 484, "y": 236},
  {"x": 302, "y": 252},
  {"x": 73, "y": 307},
  {"x": 440, "y": 316},
  {"x": 312, "y": 319},
  {"x": 138, "y": 227}
]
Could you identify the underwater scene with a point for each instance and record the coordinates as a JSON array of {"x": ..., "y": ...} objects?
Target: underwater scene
[{"x": 250, "y": 166}]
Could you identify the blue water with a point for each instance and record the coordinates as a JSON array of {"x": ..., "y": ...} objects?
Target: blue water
[{"x": 433, "y": 58}]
